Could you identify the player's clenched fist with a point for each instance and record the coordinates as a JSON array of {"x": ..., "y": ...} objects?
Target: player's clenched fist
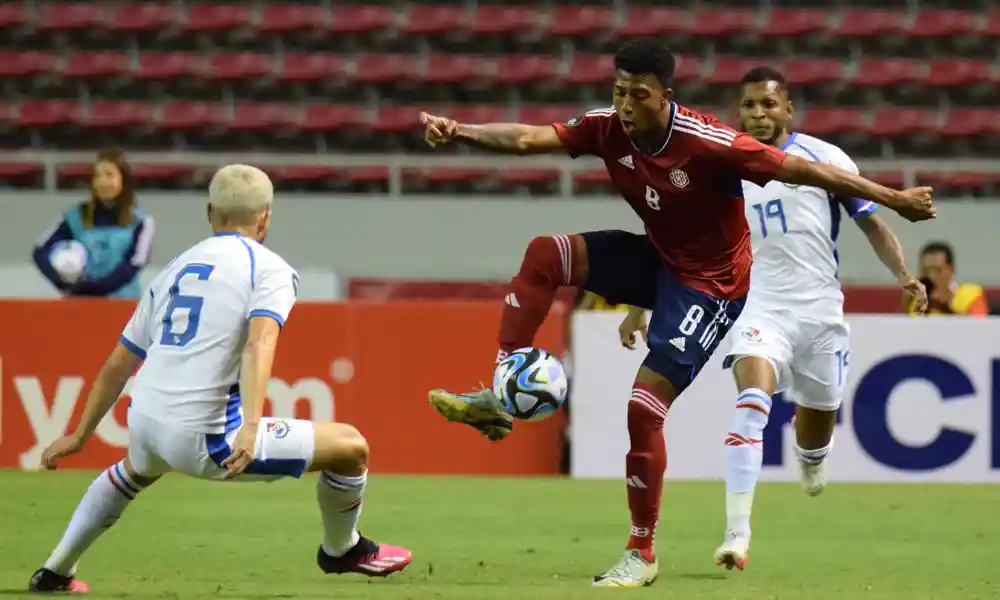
[
  {"x": 918, "y": 204},
  {"x": 437, "y": 130}
]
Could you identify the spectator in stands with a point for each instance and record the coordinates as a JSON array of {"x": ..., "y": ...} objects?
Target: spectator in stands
[
  {"x": 946, "y": 296},
  {"x": 117, "y": 235}
]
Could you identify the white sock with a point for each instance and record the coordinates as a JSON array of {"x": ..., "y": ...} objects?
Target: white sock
[
  {"x": 340, "y": 499},
  {"x": 813, "y": 456},
  {"x": 744, "y": 457},
  {"x": 99, "y": 509}
]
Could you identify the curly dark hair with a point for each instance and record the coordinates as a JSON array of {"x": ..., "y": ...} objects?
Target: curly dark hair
[{"x": 646, "y": 56}]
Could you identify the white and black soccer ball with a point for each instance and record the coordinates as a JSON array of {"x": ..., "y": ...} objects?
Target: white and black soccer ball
[
  {"x": 531, "y": 383},
  {"x": 69, "y": 259}
]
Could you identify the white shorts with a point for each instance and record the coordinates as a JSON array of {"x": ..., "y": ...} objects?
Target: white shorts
[
  {"x": 284, "y": 448},
  {"x": 810, "y": 358}
]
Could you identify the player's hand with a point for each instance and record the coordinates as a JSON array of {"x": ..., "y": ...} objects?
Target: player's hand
[
  {"x": 65, "y": 446},
  {"x": 437, "y": 130},
  {"x": 917, "y": 204},
  {"x": 242, "y": 454},
  {"x": 634, "y": 321},
  {"x": 912, "y": 286}
]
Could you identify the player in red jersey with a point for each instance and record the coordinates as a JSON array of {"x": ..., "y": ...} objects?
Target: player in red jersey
[{"x": 681, "y": 172}]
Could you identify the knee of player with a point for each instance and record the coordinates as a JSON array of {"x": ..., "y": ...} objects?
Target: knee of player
[{"x": 341, "y": 448}]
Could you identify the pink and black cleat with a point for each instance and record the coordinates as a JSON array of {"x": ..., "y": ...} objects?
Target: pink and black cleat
[
  {"x": 45, "y": 581},
  {"x": 367, "y": 558}
]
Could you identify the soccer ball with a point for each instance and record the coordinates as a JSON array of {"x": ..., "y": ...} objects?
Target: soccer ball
[
  {"x": 531, "y": 384},
  {"x": 69, "y": 259}
]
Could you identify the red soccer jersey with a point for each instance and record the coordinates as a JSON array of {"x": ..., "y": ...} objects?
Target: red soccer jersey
[{"x": 689, "y": 193}]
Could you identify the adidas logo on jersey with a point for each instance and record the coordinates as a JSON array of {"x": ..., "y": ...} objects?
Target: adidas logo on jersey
[
  {"x": 627, "y": 161},
  {"x": 678, "y": 342},
  {"x": 511, "y": 300}
]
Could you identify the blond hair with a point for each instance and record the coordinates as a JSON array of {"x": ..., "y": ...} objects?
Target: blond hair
[{"x": 240, "y": 193}]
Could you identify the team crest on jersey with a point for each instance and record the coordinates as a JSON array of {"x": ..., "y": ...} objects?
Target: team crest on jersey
[
  {"x": 751, "y": 334},
  {"x": 573, "y": 122},
  {"x": 679, "y": 178},
  {"x": 278, "y": 429}
]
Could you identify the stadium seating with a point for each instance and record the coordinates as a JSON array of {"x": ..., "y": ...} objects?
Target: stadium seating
[{"x": 882, "y": 79}]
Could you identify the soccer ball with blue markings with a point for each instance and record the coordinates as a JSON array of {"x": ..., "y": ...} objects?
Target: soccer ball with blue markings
[{"x": 531, "y": 384}]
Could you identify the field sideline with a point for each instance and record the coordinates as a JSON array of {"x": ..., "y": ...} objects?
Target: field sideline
[{"x": 484, "y": 539}]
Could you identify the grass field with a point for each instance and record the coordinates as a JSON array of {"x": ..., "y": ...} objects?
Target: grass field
[{"x": 484, "y": 539}]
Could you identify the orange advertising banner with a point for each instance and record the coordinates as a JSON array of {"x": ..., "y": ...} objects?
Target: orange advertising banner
[{"x": 365, "y": 363}]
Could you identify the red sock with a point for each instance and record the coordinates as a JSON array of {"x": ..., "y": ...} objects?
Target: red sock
[
  {"x": 645, "y": 465},
  {"x": 547, "y": 266}
]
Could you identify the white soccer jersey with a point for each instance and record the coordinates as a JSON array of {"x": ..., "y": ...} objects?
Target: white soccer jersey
[
  {"x": 191, "y": 326},
  {"x": 794, "y": 234}
]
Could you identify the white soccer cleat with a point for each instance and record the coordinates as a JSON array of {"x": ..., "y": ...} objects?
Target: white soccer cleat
[
  {"x": 813, "y": 477},
  {"x": 734, "y": 553},
  {"x": 632, "y": 571}
]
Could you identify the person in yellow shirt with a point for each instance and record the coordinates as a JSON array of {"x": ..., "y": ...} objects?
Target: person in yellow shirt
[
  {"x": 947, "y": 296},
  {"x": 590, "y": 301}
]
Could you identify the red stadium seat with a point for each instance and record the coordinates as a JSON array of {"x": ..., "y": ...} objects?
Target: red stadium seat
[
  {"x": 453, "y": 68},
  {"x": 41, "y": 113},
  {"x": 722, "y": 23},
  {"x": 9, "y": 171},
  {"x": 648, "y": 21},
  {"x": 893, "y": 179},
  {"x": 794, "y": 22},
  {"x": 281, "y": 18},
  {"x": 205, "y": 16},
  {"x": 957, "y": 181},
  {"x": 64, "y": 16},
  {"x": 491, "y": 19},
  {"x": 991, "y": 27},
  {"x": 85, "y": 65},
  {"x": 446, "y": 175},
  {"x": 395, "y": 119},
  {"x": 687, "y": 68},
  {"x": 234, "y": 66},
  {"x": 75, "y": 171},
  {"x": 384, "y": 68},
  {"x": 371, "y": 174},
  {"x": 528, "y": 176},
  {"x": 426, "y": 19},
  {"x": 352, "y": 19},
  {"x": 14, "y": 14},
  {"x": 25, "y": 64},
  {"x": 145, "y": 16},
  {"x": 874, "y": 72},
  {"x": 546, "y": 115},
  {"x": 167, "y": 65},
  {"x": 113, "y": 114},
  {"x": 584, "y": 180},
  {"x": 479, "y": 114},
  {"x": 895, "y": 122},
  {"x": 303, "y": 173},
  {"x": 869, "y": 24},
  {"x": 326, "y": 118},
  {"x": 811, "y": 71},
  {"x": 590, "y": 69},
  {"x": 580, "y": 21},
  {"x": 941, "y": 23},
  {"x": 960, "y": 72},
  {"x": 969, "y": 122},
  {"x": 525, "y": 69},
  {"x": 308, "y": 66},
  {"x": 729, "y": 71},
  {"x": 185, "y": 116},
  {"x": 263, "y": 117},
  {"x": 832, "y": 121},
  {"x": 162, "y": 173}
]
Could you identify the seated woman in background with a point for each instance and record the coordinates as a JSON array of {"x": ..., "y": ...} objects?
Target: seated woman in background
[{"x": 118, "y": 237}]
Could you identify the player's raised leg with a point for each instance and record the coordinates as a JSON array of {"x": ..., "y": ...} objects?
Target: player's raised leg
[
  {"x": 549, "y": 263},
  {"x": 101, "y": 507},
  {"x": 341, "y": 457}
]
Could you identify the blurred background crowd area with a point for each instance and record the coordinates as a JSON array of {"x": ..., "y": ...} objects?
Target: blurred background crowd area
[
  {"x": 898, "y": 84},
  {"x": 325, "y": 96}
]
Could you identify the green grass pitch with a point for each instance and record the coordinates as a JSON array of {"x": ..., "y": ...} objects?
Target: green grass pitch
[{"x": 519, "y": 539}]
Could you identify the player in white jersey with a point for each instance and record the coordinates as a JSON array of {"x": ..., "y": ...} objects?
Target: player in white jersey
[
  {"x": 792, "y": 336},
  {"x": 205, "y": 334}
]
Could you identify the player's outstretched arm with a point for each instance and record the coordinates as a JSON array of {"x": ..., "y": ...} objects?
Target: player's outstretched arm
[
  {"x": 886, "y": 245},
  {"x": 914, "y": 204},
  {"x": 508, "y": 138},
  {"x": 107, "y": 389}
]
